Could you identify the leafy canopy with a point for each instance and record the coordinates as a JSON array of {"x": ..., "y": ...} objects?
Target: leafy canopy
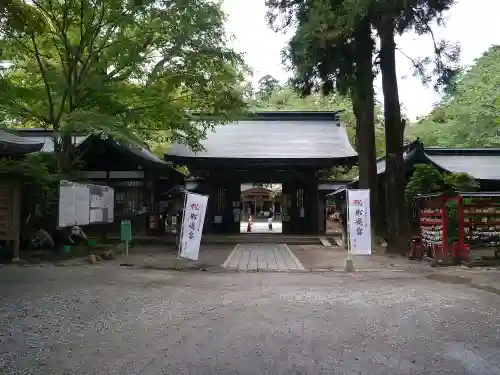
[
  {"x": 322, "y": 51},
  {"x": 20, "y": 15},
  {"x": 134, "y": 68},
  {"x": 427, "y": 179},
  {"x": 470, "y": 115}
]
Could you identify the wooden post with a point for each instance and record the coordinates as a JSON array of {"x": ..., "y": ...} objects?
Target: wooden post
[
  {"x": 444, "y": 220},
  {"x": 16, "y": 218},
  {"x": 461, "y": 229}
]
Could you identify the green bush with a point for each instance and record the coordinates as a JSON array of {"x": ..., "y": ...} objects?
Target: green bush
[
  {"x": 38, "y": 176},
  {"x": 426, "y": 179}
]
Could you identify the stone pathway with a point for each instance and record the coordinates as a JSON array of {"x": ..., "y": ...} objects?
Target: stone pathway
[{"x": 264, "y": 257}]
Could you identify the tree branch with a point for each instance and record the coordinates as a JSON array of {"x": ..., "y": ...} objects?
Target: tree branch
[
  {"x": 44, "y": 77},
  {"x": 416, "y": 64}
]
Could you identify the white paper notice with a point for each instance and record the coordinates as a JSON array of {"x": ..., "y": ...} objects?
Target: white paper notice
[
  {"x": 82, "y": 196},
  {"x": 96, "y": 201},
  {"x": 359, "y": 221},
  {"x": 66, "y": 206},
  {"x": 96, "y": 215},
  {"x": 109, "y": 203},
  {"x": 192, "y": 225}
]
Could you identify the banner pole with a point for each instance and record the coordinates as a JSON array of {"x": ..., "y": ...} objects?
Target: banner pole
[
  {"x": 348, "y": 226},
  {"x": 349, "y": 264},
  {"x": 179, "y": 246}
]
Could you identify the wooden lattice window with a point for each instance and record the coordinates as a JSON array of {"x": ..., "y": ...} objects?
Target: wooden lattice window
[{"x": 221, "y": 199}]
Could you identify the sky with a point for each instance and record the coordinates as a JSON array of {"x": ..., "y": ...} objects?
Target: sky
[{"x": 474, "y": 24}]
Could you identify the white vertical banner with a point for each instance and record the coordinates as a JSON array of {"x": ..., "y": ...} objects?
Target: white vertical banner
[
  {"x": 195, "y": 207},
  {"x": 358, "y": 211}
]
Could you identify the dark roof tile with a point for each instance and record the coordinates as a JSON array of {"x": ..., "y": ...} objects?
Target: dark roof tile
[
  {"x": 11, "y": 144},
  {"x": 257, "y": 139},
  {"x": 480, "y": 167}
]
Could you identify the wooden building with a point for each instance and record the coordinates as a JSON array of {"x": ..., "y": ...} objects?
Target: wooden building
[
  {"x": 15, "y": 148},
  {"x": 141, "y": 180},
  {"x": 482, "y": 164},
  {"x": 290, "y": 148}
]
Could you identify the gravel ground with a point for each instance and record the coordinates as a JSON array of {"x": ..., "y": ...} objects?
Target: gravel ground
[{"x": 111, "y": 320}]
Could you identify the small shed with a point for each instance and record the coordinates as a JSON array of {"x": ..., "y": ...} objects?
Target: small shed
[
  {"x": 140, "y": 179},
  {"x": 14, "y": 148}
]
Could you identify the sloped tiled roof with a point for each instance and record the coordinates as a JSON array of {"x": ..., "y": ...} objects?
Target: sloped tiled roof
[
  {"x": 287, "y": 136},
  {"x": 11, "y": 144},
  {"x": 481, "y": 164},
  {"x": 141, "y": 152},
  {"x": 44, "y": 137}
]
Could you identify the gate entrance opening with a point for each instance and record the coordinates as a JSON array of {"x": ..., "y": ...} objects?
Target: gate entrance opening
[
  {"x": 290, "y": 148},
  {"x": 261, "y": 208}
]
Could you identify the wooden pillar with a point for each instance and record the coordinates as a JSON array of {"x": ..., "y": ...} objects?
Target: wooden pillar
[
  {"x": 225, "y": 203},
  {"x": 216, "y": 203},
  {"x": 321, "y": 224},
  {"x": 304, "y": 203},
  {"x": 313, "y": 203},
  {"x": 17, "y": 220},
  {"x": 13, "y": 219},
  {"x": 287, "y": 215},
  {"x": 233, "y": 206}
]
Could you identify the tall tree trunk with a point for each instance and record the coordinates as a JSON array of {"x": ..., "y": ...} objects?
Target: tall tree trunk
[
  {"x": 363, "y": 106},
  {"x": 397, "y": 216},
  {"x": 65, "y": 154}
]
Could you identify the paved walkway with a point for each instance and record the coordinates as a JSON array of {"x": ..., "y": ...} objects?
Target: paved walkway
[{"x": 265, "y": 257}]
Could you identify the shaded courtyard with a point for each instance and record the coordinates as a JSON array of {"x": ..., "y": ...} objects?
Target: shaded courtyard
[{"x": 110, "y": 320}]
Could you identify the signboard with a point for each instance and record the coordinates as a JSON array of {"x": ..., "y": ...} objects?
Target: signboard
[
  {"x": 83, "y": 204},
  {"x": 125, "y": 231},
  {"x": 359, "y": 224},
  {"x": 102, "y": 202},
  {"x": 66, "y": 206},
  {"x": 193, "y": 219}
]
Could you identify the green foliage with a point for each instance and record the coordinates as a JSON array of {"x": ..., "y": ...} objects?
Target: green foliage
[
  {"x": 460, "y": 182},
  {"x": 267, "y": 85},
  {"x": 39, "y": 179},
  {"x": 470, "y": 116},
  {"x": 33, "y": 168},
  {"x": 135, "y": 69},
  {"x": 20, "y": 15},
  {"x": 322, "y": 51},
  {"x": 343, "y": 173},
  {"x": 319, "y": 52},
  {"x": 427, "y": 179},
  {"x": 332, "y": 49}
]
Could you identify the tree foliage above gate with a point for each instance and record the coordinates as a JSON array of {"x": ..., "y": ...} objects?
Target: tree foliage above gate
[{"x": 134, "y": 68}]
